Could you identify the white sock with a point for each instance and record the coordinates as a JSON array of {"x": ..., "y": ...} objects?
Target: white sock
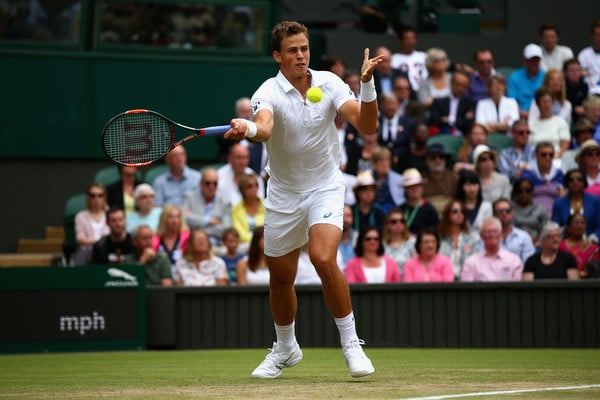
[
  {"x": 347, "y": 328},
  {"x": 286, "y": 334}
]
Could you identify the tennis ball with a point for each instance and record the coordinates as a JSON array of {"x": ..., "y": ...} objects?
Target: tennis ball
[{"x": 314, "y": 94}]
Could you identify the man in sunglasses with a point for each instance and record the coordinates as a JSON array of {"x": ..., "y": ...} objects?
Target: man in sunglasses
[
  {"x": 439, "y": 182},
  {"x": 513, "y": 239},
  {"x": 512, "y": 161}
]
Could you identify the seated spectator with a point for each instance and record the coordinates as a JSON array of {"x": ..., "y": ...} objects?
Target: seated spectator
[
  {"x": 476, "y": 135},
  {"x": 306, "y": 273},
  {"x": 366, "y": 211},
  {"x": 548, "y": 127},
  {"x": 360, "y": 153},
  {"x": 90, "y": 223},
  {"x": 437, "y": 83},
  {"x": 468, "y": 190},
  {"x": 172, "y": 235},
  {"x": 494, "y": 185},
  {"x": 384, "y": 74},
  {"x": 252, "y": 269},
  {"x": 408, "y": 59},
  {"x": 457, "y": 241},
  {"x": 493, "y": 263},
  {"x": 416, "y": 155},
  {"x": 547, "y": 179},
  {"x": 419, "y": 213},
  {"x": 249, "y": 213},
  {"x": 588, "y": 57},
  {"x": 409, "y": 107},
  {"x": 554, "y": 55},
  {"x": 121, "y": 193},
  {"x": 145, "y": 212},
  {"x": 496, "y": 111},
  {"x": 156, "y": 265},
  {"x": 454, "y": 113},
  {"x": 111, "y": 248},
  {"x": 523, "y": 82},
  {"x": 588, "y": 159},
  {"x": 232, "y": 255},
  {"x": 577, "y": 201},
  {"x": 439, "y": 183},
  {"x": 371, "y": 264},
  {"x": 512, "y": 238},
  {"x": 584, "y": 130},
  {"x": 203, "y": 209},
  {"x": 591, "y": 107},
  {"x": 577, "y": 89},
  {"x": 349, "y": 235},
  {"x": 515, "y": 159},
  {"x": 527, "y": 214},
  {"x": 389, "y": 192},
  {"x": 199, "y": 266},
  {"x": 554, "y": 83},
  {"x": 550, "y": 262},
  {"x": 584, "y": 250},
  {"x": 428, "y": 265},
  {"x": 170, "y": 186},
  {"x": 480, "y": 77},
  {"x": 398, "y": 242},
  {"x": 394, "y": 129},
  {"x": 229, "y": 175}
]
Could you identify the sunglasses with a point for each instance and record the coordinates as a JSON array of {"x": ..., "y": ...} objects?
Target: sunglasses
[
  {"x": 96, "y": 195},
  {"x": 371, "y": 239},
  {"x": 547, "y": 155},
  {"x": 522, "y": 132},
  {"x": 503, "y": 211},
  {"x": 209, "y": 183},
  {"x": 436, "y": 156},
  {"x": 484, "y": 159},
  {"x": 397, "y": 221},
  {"x": 592, "y": 154}
]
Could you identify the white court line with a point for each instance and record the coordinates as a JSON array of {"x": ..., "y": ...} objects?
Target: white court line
[{"x": 457, "y": 396}]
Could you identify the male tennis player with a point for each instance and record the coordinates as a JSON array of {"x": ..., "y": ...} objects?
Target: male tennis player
[{"x": 305, "y": 196}]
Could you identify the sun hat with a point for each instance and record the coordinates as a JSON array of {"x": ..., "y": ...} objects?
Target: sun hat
[
  {"x": 586, "y": 146},
  {"x": 411, "y": 177},
  {"x": 583, "y": 125},
  {"x": 436, "y": 148},
  {"x": 363, "y": 179},
  {"x": 481, "y": 149}
]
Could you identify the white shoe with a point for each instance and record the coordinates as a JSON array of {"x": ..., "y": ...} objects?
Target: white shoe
[
  {"x": 357, "y": 361},
  {"x": 279, "y": 358}
]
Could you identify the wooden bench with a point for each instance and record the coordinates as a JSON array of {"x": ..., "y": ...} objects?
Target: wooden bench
[{"x": 28, "y": 259}]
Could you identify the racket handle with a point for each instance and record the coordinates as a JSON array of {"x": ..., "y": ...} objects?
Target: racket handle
[{"x": 215, "y": 130}]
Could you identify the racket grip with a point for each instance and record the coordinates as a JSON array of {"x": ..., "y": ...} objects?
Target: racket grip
[{"x": 215, "y": 130}]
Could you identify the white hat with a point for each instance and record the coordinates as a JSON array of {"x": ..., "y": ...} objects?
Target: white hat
[
  {"x": 411, "y": 177},
  {"x": 483, "y": 148},
  {"x": 364, "y": 178},
  {"x": 532, "y": 50}
]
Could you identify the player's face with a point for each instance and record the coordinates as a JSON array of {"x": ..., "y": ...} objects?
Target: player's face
[{"x": 294, "y": 57}]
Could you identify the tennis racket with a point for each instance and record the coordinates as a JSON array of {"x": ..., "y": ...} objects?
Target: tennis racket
[{"x": 140, "y": 137}]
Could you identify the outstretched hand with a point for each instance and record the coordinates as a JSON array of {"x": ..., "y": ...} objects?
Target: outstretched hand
[{"x": 369, "y": 65}]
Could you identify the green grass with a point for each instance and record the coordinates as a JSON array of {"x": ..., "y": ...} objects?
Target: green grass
[{"x": 225, "y": 374}]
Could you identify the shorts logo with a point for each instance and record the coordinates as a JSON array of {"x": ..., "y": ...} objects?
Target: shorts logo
[{"x": 327, "y": 215}]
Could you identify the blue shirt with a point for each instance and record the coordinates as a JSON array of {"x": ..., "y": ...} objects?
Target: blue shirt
[
  {"x": 510, "y": 160},
  {"x": 519, "y": 242},
  {"x": 170, "y": 190},
  {"x": 522, "y": 87}
]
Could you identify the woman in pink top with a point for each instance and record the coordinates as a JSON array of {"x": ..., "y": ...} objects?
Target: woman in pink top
[
  {"x": 428, "y": 265},
  {"x": 371, "y": 265}
]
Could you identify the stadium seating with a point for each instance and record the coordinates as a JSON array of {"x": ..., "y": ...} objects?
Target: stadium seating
[
  {"x": 451, "y": 143},
  {"x": 499, "y": 140},
  {"x": 73, "y": 205},
  {"x": 110, "y": 175},
  {"x": 153, "y": 172}
]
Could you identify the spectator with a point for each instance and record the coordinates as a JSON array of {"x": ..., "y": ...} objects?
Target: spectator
[
  {"x": 588, "y": 58},
  {"x": 419, "y": 213},
  {"x": 349, "y": 235},
  {"x": 342, "y": 127},
  {"x": 476, "y": 135},
  {"x": 550, "y": 262},
  {"x": 588, "y": 159},
  {"x": 389, "y": 192},
  {"x": 513, "y": 239},
  {"x": 120, "y": 194},
  {"x": 204, "y": 209},
  {"x": 583, "y": 249},
  {"x": 199, "y": 266},
  {"x": 455, "y": 113},
  {"x": 172, "y": 235},
  {"x": 352, "y": 78},
  {"x": 439, "y": 183},
  {"x": 591, "y": 107},
  {"x": 584, "y": 130},
  {"x": 145, "y": 212},
  {"x": 577, "y": 89},
  {"x": 366, "y": 211},
  {"x": 416, "y": 155},
  {"x": 494, "y": 185},
  {"x": 527, "y": 214},
  {"x": 229, "y": 175},
  {"x": 394, "y": 130},
  {"x": 480, "y": 77},
  {"x": 554, "y": 55},
  {"x": 371, "y": 264},
  {"x": 515, "y": 159},
  {"x": 437, "y": 83},
  {"x": 252, "y": 269},
  {"x": 384, "y": 74},
  {"x": 493, "y": 263},
  {"x": 428, "y": 265},
  {"x": 457, "y": 241},
  {"x": 554, "y": 83},
  {"x": 577, "y": 201},
  {"x": 232, "y": 255},
  {"x": 360, "y": 153},
  {"x": 547, "y": 179},
  {"x": 90, "y": 223},
  {"x": 249, "y": 213},
  {"x": 468, "y": 190},
  {"x": 548, "y": 127},
  {"x": 398, "y": 242},
  {"x": 170, "y": 186},
  {"x": 408, "y": 59},
  {"x": 243, "y": 109},
  {"x": 307, "y": 273},
  {"x": 495, "y": 111},
  {"x": 111, "y": 248},
  {"x": 523, "y": 82},
  {"x": 409, "y": 107},
  {"x": 335, "y": 65},
  {"x": 156, "y": 265}
]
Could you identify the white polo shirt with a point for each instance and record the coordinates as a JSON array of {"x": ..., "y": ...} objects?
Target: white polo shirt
[{"x": 590, "y": 61}]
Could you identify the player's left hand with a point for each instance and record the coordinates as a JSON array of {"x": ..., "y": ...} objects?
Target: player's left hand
[{"x": 369, "y": 65}]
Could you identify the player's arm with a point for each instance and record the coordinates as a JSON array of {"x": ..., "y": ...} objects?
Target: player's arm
[
  {"x": 363, "y": 116},
  {"x": 258, "y": 131}
]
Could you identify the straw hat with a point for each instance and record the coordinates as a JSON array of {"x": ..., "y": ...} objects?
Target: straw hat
[
  {"x": 586, "y": 146},
  {"x": 411, "y": 177},
  {"x": 364, "y": 179}
]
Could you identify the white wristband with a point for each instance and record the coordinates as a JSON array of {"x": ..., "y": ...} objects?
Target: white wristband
[
  {"x": 252, "y": 129},
  {"x": 367, "y": 91}
]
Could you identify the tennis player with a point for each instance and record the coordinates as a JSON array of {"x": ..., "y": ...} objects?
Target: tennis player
[{"x": 305, "y": 195}]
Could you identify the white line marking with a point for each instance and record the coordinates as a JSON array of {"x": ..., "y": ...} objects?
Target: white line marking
[{"x": 457, "y": 396}]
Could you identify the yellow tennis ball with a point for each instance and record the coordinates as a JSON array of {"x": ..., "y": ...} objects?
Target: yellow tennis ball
[{"x": 314, "y": 94}]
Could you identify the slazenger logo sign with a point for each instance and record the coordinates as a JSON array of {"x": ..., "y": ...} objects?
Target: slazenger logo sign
[{"x": 121, "y": 278}]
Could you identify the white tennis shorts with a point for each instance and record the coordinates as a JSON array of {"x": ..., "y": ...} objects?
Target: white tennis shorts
[{"x": 289, "y": 216}]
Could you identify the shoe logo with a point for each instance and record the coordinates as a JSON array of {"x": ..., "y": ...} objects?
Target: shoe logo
[{"x": 328, "y": 214}]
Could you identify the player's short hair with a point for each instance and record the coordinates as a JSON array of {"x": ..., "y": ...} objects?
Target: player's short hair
[{"x": 286, "y": 29}]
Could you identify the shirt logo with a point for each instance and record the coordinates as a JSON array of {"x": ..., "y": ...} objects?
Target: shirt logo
[{"x": 327, "y": 215}]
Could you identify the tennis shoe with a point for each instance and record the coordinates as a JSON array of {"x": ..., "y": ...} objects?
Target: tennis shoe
[
  {"x": 279, "y": 358},
  {"x": 357, "y": 361}
]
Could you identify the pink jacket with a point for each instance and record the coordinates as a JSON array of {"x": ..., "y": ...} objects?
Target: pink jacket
[
  {"x": 355, "y": 274},
  {"x": 440, "y": 270}
]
